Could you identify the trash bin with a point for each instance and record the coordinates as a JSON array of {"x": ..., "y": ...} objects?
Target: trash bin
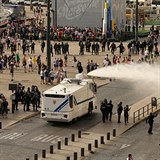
[{"x": 154, "y": 101}]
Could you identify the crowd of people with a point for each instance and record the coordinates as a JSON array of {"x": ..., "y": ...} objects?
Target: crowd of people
[
  {"x": 27, "y": 97},
  {"x": 23, "y": 39}
]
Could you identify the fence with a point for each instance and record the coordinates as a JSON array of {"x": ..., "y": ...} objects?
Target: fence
[{"x": 144, "y": 111}]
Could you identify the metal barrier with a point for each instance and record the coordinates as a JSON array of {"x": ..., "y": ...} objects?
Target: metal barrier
[{"x": 144, "y": 111}]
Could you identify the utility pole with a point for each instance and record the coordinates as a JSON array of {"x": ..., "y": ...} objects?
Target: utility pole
[
  {"x": 48, "y": 37},
  {"x": 136, "y": 33},
  {"x": 55, "y": 13}
]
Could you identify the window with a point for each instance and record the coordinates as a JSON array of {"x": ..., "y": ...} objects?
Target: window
[
  {"x": 54, "y": 95},
  {"x": 71, "y": 101}
]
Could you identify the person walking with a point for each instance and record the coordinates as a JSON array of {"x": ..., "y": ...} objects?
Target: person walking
[
  {"x": 150, "y": 120},
  {"x": 119, "y": 111},
  {"x": 42, "y": 46},
  {"x": 12, "y": 70},
  {"x": 129, "y": 157},
  {"x": 126, "y": 114}
]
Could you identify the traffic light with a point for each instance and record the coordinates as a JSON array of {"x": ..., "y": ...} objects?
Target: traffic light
[{"x": 154, "y": 101}]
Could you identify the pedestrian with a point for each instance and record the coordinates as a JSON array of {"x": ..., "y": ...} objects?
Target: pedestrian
[
  {"x": 121, "y": 48},
  {"x": 110, "y": 108},
  {"x": 30, "y": 65},
  {"x": 129, "y": 157},
  {"x": 51, "y": 75},
  {"x": 79, "y": 67},
  {"x": 33, "y": 47},
  {"x": 103, "y": 110},
  {"x": 74, "y": 61},
  {"x": 43, "y": 46},
  {"x": 24, "y": 63},
  {"x": 12, "y": 70},
  {"x": 119, "y": 111},
  {"x": 150, "y": 120},
  {"x": 42, "y": 76},
  {"x": 113, "y": 48},
  {"x": 126, "y": 114},
  {"x": 4, "y": 108}
]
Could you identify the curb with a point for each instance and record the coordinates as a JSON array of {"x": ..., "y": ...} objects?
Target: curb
[{"x": 24, "y": 118}]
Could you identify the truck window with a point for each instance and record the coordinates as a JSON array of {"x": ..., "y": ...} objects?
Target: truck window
[
  {"x": 71, "y": 101},
  {"x": 54, "y": 96}
]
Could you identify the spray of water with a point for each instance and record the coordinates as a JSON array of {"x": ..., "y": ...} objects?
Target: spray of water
[{"x": 145, "y": 74}]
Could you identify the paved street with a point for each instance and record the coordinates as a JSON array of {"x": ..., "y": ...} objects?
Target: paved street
[{"x": 31, "y": 136}]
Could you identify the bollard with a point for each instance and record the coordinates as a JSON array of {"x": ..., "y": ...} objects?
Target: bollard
[
  {"x": 75, "y": 156},
  {"x": 108, "y": 136},
  {"x": 73, "y": 138},
  {"x": 35, "y": 156},
  {"x": 79, "y": 134},
  {"x": 114, "y": 132},
  {"x": 96, "y": 143},
  {"x": 68, "y": 158},
  {"x": 43, "y": 153},
  {"x": 102, "y": 139},
  {"x": 59, "y": 145},
  {"x": 66, "y": 141},
  {"x": 82, "y": 152},
  {"x": 0, "y": 125},
  {"x": 89, "y": 147},
  {"x": 51, "y": 149}
]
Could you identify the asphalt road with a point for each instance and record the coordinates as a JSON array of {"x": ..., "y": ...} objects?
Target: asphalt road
[{"x": 30, "y": 136}]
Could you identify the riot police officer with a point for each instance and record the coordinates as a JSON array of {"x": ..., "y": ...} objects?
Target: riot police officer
[
  {"x": 110, "y": 108},
  {"x": 27, "y": 100},
  {"x": 103, "y": 110},
  {"x": 119, "y": 111}
]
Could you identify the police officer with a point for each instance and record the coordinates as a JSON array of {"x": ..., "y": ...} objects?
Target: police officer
[
  {"x": 126, "y": 114},
  {"x": 103, "y": 110},
  {"x": 106, "y": 108},
  {"x": 38, "y": 96},
  {"x": 119, "y": 111},
  {"x": 110, "y": 108},
  {"x": 150, "y": 120},
  {"x": 27, "y": 100}
]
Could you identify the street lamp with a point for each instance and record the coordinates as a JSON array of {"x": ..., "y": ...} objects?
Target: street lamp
[
  {"x": 136, "y": 33},
  {"x": 48, "y": 37}
]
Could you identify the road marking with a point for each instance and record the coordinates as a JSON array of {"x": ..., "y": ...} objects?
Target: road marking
[
  {"x": 47, "y": 138},
  {"x": 12, "y": 136},
  {"x": 125, "y": 146}
]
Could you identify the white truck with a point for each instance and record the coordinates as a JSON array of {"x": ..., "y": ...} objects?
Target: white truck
[{"x": 72, "y": 98}]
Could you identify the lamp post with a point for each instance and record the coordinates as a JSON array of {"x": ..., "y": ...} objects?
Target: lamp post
[
  {"x": 136, "y": 33},
  {"x": 55, "y": 14},
  {"x": 48, "y": 36}
]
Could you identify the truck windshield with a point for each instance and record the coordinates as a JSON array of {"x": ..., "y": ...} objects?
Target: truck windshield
[{"x": 54, "y": 95}]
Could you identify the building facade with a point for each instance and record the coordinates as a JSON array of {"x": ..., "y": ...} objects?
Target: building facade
[{"x": 88, "y": 13}]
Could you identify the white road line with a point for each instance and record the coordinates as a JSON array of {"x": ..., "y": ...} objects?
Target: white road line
[
  {"x": 13, "y": 136},
  {"x": 125, "y": 146}
]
